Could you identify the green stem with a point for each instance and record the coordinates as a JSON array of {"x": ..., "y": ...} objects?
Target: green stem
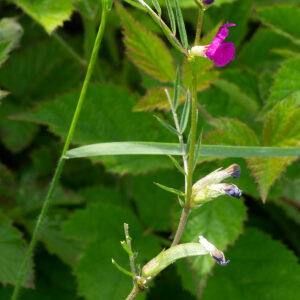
[
  {"x": 199, "y": 27},
  {"x": 133, "y": 293},
  {"x": 70, "y": 50},
  {"x": 61, "y": 161},
  {"x": 188, "y": 200}
]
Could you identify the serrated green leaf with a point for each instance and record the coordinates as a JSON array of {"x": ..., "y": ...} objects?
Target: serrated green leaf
[
  {"x": 12, "y": 253},
  {"x": 50, "y": 14},
  {"x": 220, "y": 222},
  {"x": 185, "y": 113},
  {"x": 284, "y": 19},
  {"x": 231, "y": 132},
  {"x": 146, "y": 50},
  {"x": 260, "y": 268},
  {"x": 257, "y": 52},
  {"x": 171, "y": 16},
  {"x": 181, "y": 25},
  {"x": 170, "y": 190},
  {"x": 102, "y": 237},
  {"x": 166, "y": 125},
  {"x": 281, "y": 128},
  {"x": 15, "y": 135},
  {"x": 286, "y": 83},
  {"x": 154, "y": 98},
  {"x": 104, "y": 121}
]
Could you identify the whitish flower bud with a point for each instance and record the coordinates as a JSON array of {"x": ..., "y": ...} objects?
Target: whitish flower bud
[
  {"x": 215, "y": 253},
  {"x": 209, "y": 187},
  {"x": 198, "y": 51}
]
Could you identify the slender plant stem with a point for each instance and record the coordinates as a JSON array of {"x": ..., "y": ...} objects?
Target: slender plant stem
[
  {"x": 70, "y": 50},
  {"x": 199, "y": 27},
  {"x": 188, "y": 200},
  {"x": 133, "y": 293},
  {"x": 128, "y": 242},
  {"x": 61, "y": 161}
]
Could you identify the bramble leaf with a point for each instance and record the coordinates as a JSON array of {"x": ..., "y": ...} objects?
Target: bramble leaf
[
  {"x": 260, "y": 268},
  {"x": 12, "y": 252},
  {"x": 219, "y": 221},
  {"x": 107, "y": 120},
  {"x": 50, "y": 14},
  {"x": 146, "y": 50},
  {"x": 284, "y": 19}
]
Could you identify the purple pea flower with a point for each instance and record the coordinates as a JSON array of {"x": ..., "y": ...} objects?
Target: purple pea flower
[
  {"x": 208, "y": 1},
  {"x": 221, "y": 53}
]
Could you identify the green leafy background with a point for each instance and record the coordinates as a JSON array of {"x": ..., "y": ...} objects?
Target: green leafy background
[{"x": 254, "y": 101}]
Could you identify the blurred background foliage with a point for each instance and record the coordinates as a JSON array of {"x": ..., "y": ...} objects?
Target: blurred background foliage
[{"x": 254, "y": 101}]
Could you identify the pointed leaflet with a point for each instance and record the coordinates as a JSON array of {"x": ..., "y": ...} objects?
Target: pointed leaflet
[
  {"x": 171, "y": 16},
  {"x": 284, "y": 19},
  {"x": 177, "y": 89},
  {"x": 260, "y": 268},
  {"x": 185, "y": 113},
  {"x": 177, "y": 165},
  {"x": 50, "y": 14},
  {"x": 157, "y": 7},
  {"x": 219, "y": 221},
  {"x": 166, "y": 125},
  {"x": 181, "y": 25},
  {"x": 146, "y": 50},
  {"x": 170, "y": 190},
  {"x": 12, "y": 252}
]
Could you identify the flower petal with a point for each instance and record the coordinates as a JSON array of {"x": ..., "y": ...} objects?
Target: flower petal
[
  {"x": 218, "y": 39},
  {"x": 224, "y": 54}
]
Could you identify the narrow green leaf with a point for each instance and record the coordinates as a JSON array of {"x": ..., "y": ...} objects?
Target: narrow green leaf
[
  {"x": 148, "y": 148},
  {"x": 177, "y": 89},
  {"x": 171, "y": 190},
  {"x": 135, "y": 4},
  {"x": 177, "y": 165},
  {"x": 185, "y": 113},
  {"x": 166, "y": 125},
  {"x": 171, "y": 16},
  {"x": 157, "y": 7},
  {"x": 121, "y": 269},
  {"x": 126, "y": 248},
  {"x": 181, "y": 25}
]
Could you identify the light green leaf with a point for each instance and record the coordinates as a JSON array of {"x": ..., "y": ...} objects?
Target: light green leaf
[
  {"x": 260, "y": 268},
  {"x": 10, "y": 35},
  {"x": 185, "y": 113},
  {"x": 157, "y": 7},
  {"x": 146, "y": 50},
  {"x": 286, "y": 83},
  {"x": 96, "y": 276},
  {"x": 281, "y": 128},
  {"x": 220, "y": 222},
  {"x": 12, "y": 253},
  {"x": 181, "y": 25},
  {"x": 177, "y": 88},
  {"x": 155, "y": 98},
  {"x": 148, "y": 148},
  {"x": 171, "y": 15},
  {"x": 110, "y": 119},
  {"x": 170, "y": 190},
  {"x": 50, "y": 14},
  {"x": 284, "y": 19}
]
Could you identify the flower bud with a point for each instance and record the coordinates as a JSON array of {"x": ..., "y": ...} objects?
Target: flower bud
[
  {"x": 209, "y": 187},
  {"x": 215, "y": 253},
  {"x": 208, "y": 2}
]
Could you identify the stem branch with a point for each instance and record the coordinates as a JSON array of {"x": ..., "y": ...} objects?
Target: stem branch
[{"x": 61, "y": 161}]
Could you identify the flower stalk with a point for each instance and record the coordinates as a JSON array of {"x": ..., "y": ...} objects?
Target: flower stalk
[{"x": 61, "y": 161}]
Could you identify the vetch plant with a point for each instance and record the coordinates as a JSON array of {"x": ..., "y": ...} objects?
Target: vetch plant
[{"x": 201, "y": 109}]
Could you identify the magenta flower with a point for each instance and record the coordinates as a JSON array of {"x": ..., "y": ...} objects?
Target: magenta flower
[{"x": 221, "y": 53}]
